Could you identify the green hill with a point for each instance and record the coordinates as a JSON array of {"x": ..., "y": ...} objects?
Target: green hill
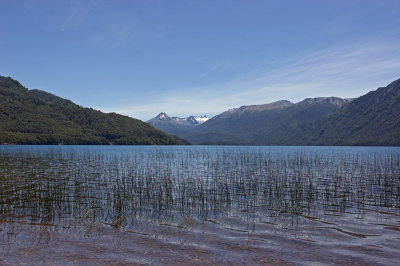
[
  {"x": 279, "y": 123},
  {"x": 372, "y": 119},
  {"x": 369, "y": 120},
  {"x": 38, "y": 117}
]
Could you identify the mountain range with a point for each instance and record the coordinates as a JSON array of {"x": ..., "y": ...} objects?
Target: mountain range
[
  {"x": 371, "y": 119},
  {"x": 38, "y": 117},
  {"x": 176, "y": 125}
]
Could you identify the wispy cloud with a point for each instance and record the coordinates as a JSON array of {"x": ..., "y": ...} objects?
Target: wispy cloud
[
  {"x": 344, "y": 71},
  {"x": 219, "y": 66},
  {"x": 127, "y": 31},
  {"x": 76, "y": 13},
  {"x": 112, "y": 27}
]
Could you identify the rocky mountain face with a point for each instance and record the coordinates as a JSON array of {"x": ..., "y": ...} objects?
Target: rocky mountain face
[
  {"x": 191, "y": 121},
  {"x": 371, "y": 119},
  {"x": 38, "y": 117},
  {"x": 279, "y": 105},
  {"x": 339, "y": 102},
  {"x": 267, "y": 124},
  {"x": 176, "y": 125}
]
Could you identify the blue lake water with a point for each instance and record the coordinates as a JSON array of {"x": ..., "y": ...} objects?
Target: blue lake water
[{"x": 199, "y": 204}]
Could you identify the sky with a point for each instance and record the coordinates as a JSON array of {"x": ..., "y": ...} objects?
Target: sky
[{"x": 199, "y": 57}]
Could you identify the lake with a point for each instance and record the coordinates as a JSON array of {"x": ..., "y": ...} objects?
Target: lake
[{"x": 199, "y": 205}]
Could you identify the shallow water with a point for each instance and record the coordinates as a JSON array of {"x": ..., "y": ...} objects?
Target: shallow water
[{"x": 199, "y": 204}]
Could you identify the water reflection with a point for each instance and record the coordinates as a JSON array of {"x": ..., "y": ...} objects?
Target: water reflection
[{"x": 326, "y": 195}]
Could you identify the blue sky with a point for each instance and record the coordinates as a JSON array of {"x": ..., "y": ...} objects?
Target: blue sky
[{"x": 199, "y": 57}]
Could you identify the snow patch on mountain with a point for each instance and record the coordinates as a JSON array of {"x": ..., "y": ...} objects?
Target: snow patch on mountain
[
  {"x": 201, "y": 119},
  {"x": 191, "y": 121}
]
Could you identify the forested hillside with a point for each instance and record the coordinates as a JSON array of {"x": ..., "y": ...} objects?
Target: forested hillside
[
  {"x": 279, "y": 123},
  {"x": 38, "y": 117},
  {"x": 372, "y": 119}
]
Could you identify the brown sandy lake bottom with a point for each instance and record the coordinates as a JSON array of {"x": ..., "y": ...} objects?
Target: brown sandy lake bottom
[{"x": 80, "y": 205}]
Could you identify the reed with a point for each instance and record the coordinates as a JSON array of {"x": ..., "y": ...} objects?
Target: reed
[{"x": 188, "y": 185}]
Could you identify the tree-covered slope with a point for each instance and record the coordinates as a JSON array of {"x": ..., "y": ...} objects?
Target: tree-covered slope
[
  {"x": 297, "y": 122},
  {"x": 38, "y": 117},
  {"x": 372, "y": 119},
  {"x": 277, "y": 123}
]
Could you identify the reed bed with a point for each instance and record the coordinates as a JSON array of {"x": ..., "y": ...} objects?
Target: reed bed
[{"x": 176, "y": 186}]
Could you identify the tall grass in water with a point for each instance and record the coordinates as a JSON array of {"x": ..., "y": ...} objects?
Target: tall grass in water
[{"x": 55, "y": 187}]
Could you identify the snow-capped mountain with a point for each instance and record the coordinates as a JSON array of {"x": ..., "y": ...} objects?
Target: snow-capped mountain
[
  {"x": 191, "y": 121},
  {"x": 201, "y": 119},
  {"x": 176, "y": 125},
  {"x": 274, "y": 123}
]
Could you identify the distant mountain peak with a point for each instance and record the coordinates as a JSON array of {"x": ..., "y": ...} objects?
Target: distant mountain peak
[
  {"x": 163, "y": 118},
  {"x": 394, "y": 84},
  {"x": 278, "y": 105},
  {"x": 281, "y": 104},
  {"x": 201, "y": 119},
  {"x": 191, "y": 119},
  {"x": 324, "y": 100}
]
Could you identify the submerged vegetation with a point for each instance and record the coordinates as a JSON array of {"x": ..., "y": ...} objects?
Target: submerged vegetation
[
  {"x": 171, "y": 186},
  {"x": 191, "y": 204}
]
